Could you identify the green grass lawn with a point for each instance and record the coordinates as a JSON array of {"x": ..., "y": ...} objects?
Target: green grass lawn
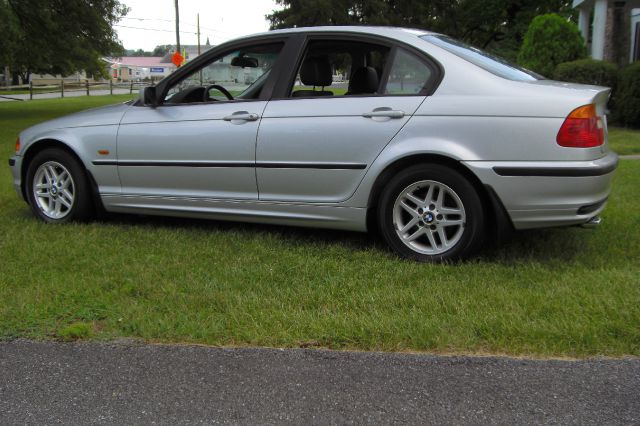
[
  {"x": 561, "y": 292},
  {"x": 624, "y": 141}
]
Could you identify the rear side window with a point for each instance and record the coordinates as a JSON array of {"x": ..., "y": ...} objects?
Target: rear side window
[
  {"x": 408, "y": 75},
  {"x": 333, "y": 68},
  {"x": 494, "y": 64}
]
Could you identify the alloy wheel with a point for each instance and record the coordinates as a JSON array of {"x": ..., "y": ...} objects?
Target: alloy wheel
[
  {"x": 53, "y": 190},
  {"x": 429, "y": 217}
]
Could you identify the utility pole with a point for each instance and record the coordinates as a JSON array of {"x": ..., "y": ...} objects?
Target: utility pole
[
  {"x": 177, "y": 28},
  {"x": 198, "y": 23}
]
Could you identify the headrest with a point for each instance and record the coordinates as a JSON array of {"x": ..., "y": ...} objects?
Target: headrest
[
  {"x": 363, "y": 80},
  {"x": 316, "y": 71}
]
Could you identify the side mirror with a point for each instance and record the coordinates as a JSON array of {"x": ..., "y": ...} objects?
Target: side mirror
[
  {"x": 148, "y": 96},
  {"x": 244, "y": 62}
]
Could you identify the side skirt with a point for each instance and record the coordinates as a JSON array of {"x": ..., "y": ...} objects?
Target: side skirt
[{"x": 290, "y": 214}]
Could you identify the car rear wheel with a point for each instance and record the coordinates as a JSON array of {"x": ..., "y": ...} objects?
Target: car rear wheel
[
  {"x": 431, "y": 213},
  {"x": 57, "y": 187}
]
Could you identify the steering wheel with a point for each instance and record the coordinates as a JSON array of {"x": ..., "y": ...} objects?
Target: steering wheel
[{"x": 221, "y": 89}]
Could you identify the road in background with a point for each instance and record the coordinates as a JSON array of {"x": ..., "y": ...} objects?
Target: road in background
[{"x": 92, "y": 383}]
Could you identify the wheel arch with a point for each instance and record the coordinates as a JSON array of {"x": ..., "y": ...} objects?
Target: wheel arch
[
  {"x": 46, "y": 143},
  {"x": 498, "y": 219}
]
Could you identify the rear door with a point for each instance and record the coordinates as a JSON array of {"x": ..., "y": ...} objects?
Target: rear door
[{"x": 316, "y": 141}]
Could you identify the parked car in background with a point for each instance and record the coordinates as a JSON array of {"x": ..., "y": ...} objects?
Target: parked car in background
[{"x": 435, "y": 143}]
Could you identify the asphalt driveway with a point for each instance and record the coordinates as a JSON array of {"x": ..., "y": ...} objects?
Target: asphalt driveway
[{"x": 92, "y": 383}]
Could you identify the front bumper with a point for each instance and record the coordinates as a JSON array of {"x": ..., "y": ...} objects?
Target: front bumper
[
  {"x": 549, "y": 193},
  {"x": 15, "y": 163}
]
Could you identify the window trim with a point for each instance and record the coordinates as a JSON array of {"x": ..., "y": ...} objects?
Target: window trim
[{"x": 386, "y": 72}]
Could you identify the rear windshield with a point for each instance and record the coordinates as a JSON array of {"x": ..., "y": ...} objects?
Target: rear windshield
[{"x": 484, "y": 60}]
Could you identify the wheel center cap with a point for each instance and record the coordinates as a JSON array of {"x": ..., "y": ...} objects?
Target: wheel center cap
[
  {"x": 428, "y": 217},
  {"x": 54, "y": 190}
]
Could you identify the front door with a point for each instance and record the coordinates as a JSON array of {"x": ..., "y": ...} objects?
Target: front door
[
  {"x": 200, "y": 141},
  {"x": 190, "y": 150}
]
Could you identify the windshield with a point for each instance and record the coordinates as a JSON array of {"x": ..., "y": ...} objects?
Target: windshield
[{"x": 493, "y": 64}]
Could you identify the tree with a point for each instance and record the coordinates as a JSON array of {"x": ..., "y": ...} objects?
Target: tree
[
  {"x": 496, "y": 25},
  {"x": 163, "y": 50},
  {"x": 59, "y": 37},
  {"x": 139, "y": 52},
  {"x": 9, "y": 33},
  {"x": 549, "y": 41}
]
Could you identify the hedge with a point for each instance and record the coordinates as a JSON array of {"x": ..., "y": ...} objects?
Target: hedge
[
  {"x": 627, "y": 110},
  {"x": 588, "y": 71}
]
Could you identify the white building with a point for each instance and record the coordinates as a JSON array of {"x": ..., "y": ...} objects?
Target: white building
[
  {"x": 139, "y": 68},
  {"x": 611, "y": 28}
]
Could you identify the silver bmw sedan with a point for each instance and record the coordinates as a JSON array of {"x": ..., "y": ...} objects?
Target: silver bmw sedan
[{"x": 438, "y": 145}]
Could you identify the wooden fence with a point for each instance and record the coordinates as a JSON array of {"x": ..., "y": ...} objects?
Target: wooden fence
[{"x": 33, "y": 88}]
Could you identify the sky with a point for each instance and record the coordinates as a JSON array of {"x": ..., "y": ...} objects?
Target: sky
[{"x": 220, "y": 20}]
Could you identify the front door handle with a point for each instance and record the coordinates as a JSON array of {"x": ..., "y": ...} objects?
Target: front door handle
[
  {"x": 384, "y": 112},
  {"x": 241, "y": 116}
]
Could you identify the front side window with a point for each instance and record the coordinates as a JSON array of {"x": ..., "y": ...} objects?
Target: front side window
[{"x": 236, "y": 75}]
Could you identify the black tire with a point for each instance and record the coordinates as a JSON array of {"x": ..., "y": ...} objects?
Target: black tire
[
  {"x": 469, "y": 235},
  {"x": 81, "y": 208}
]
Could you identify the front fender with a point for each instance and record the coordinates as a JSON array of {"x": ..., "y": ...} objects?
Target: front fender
[{"x": 87, "y": 143}]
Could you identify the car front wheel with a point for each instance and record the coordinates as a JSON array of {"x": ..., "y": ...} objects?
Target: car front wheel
[
  {"x": 431, "y": 213},
  {"x": 57, "y": 188}
]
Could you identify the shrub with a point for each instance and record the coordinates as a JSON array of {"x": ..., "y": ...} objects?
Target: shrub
[
  {"x": 627, "y": 110},
  {"x": 588, "y": 71},
  {"x": 550, "y": 40}
]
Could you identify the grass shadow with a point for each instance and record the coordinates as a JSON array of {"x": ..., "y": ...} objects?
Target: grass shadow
[
  {"x": 540, "y": 245},
  {"x": 299, "y": 235}
]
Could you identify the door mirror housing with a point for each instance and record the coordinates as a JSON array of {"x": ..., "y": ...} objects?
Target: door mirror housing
[{"x": 148, "y": 96}]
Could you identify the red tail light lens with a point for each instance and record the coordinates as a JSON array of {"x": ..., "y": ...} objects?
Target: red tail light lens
[
  {"x": 17, "y": 144},
  {"x": 583, "y": 128}
]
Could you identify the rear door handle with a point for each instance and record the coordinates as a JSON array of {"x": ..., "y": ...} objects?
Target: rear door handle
[
  {"x": 384, "y": 112},
  {"x": 241, "y": 116}
]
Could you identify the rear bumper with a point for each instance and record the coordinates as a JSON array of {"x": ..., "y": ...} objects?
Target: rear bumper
[
  {"x": 15, "y": 163},
  {"x": 549, "y": 193}
]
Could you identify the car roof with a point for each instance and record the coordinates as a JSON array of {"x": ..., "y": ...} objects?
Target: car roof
[{"x": 392, "y": 32}]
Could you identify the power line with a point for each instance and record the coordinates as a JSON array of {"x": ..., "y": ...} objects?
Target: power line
[
  {"x": 147, "y": 19},
  {"x": 183, "y": 23},
  {"x": 151, "y": 29}
]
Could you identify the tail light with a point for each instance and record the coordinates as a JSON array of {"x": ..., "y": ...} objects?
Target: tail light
[
  {"x": 583, "y": 128},
  {"x": 17, "y": 145}
]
